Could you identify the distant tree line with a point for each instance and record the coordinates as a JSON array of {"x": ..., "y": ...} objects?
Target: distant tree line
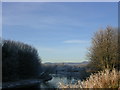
[
  {"x": 19, "y": 61},
  {"x": 104, "y": 51}
]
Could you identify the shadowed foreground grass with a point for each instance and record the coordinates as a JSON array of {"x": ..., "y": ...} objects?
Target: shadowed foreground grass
[{"x": 102, "y": 79}]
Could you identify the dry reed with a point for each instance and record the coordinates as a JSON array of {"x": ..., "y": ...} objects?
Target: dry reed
[{"x": 102, "y": 79}]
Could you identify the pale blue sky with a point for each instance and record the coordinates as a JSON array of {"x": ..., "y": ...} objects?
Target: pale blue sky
[{"x": 61, "y": 32}]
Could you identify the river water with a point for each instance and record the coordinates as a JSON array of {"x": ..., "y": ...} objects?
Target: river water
[{"x": 54, "y": 83}]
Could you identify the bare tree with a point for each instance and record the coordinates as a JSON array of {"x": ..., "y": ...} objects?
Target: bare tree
[{"x": 103, "y": 52}]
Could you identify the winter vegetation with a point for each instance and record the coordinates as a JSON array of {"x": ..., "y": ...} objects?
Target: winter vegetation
[
  {"x": 104, "y": 63},
  {"x": 101, "y": 79},
  {"x": 19, "y": 61},
  {"x": 103, "y": 52}
]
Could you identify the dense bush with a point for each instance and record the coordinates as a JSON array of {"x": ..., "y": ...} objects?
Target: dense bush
[{"x": 19, "y": 61}]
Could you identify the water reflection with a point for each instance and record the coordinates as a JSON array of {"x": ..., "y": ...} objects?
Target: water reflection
[{"x": 54, "y": 83}]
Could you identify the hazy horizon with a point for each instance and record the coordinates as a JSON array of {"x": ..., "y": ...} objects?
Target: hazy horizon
[{"x": 61, "y": 32}]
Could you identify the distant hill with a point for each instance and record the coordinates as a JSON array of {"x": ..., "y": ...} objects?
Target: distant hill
[{"x": 68, "y": 63}]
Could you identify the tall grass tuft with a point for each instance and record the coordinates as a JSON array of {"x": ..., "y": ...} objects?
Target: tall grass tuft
[{"x": 102, "y": 79}]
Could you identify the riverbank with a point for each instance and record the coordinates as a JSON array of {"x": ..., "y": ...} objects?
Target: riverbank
[
  {"x": 77, "y": 70},
  {"x": 103, "y": 79}
]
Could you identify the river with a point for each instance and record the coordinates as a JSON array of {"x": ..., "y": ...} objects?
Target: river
[{"x": 54, "y": 83}]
